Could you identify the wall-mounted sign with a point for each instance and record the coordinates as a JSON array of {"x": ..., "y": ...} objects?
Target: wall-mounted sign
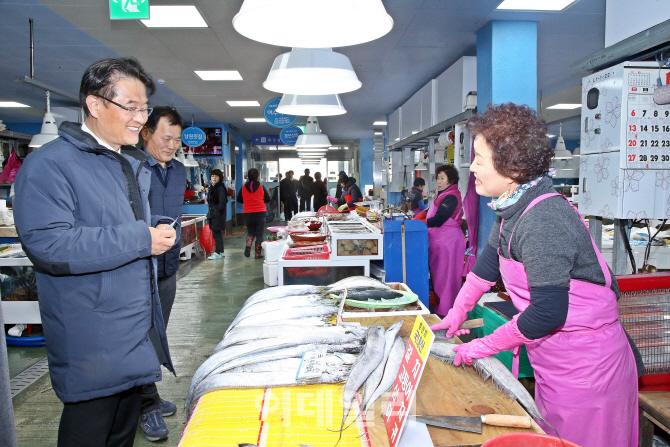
[
  {"x": 289, "y": 135},
  {"x": 266, "y": 140},
  {"x": 128, "y": 9},
  {"x": 193, "y": 136},
  {"x": 277, "y": 119}
]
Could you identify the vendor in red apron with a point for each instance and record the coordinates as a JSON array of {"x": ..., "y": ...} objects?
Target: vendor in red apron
[
  {"x": 446, "y": 241},
  {"x": 586, "y": 367},
  {"x": 350, "y": 194}
]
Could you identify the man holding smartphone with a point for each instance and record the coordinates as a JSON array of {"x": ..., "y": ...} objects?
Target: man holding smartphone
[{"x": 162, "y": 138}]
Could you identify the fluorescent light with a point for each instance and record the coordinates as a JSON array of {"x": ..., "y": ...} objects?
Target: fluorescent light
[
  {"x": 174, "y": 17},
  {"x": 378, "y": 133},
  {"x": 564, "y": 106},
  {"x": 254, "y": 120},
  {"x": 12, "y": 104},
  {"x": 243, "y": 103},
  {"x": 551, "y": 135},
  {"x": 414, "y": 132},
  {"x": 219, "y": 75},
  {"x": 379, "y": 123},
  {"x": 535, "y": 5},
  {"x": 334, "y": 147}
]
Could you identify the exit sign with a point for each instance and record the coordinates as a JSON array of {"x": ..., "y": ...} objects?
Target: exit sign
[{"x": 128, "y": 9}]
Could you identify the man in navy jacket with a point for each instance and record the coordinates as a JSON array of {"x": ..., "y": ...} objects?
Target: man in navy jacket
[
  {"x": 162, "y": 138},
  {"x": 82, "y": 214}
]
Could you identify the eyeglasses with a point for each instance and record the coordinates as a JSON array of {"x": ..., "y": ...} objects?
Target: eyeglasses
[{"x": 132, "y": 111}]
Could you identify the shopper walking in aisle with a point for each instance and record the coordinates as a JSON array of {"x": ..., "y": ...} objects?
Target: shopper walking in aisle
[
  {"x": 162, "y": 137},
  {"x": 306, "y": 191},
  {"x": 218, "y": 210},
  {"x": 446, "y": 241},
  {"x": 253, "y": 196},
  {"x": 415, "y": 196},
  {"x": 82, "y": 214},
  {"x": 287, "y": 192},
  {"x": 320, "y": 192},
  {"x": 585, "y": 366}
]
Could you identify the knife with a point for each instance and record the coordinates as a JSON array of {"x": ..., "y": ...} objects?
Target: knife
[{"x": 474, "y": 424}]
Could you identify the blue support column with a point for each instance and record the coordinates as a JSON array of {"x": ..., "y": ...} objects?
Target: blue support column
[
  {"x": 506, "y": 72},
  {"x": 366, "y": 152}
]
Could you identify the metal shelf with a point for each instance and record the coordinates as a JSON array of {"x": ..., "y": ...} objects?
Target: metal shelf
[
  {"x": 15, "y": 135},
  {"x": 422, "y": 139}
]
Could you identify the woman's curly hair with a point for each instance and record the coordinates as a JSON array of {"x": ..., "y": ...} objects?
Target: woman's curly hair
[{"x": 518, "y": 138}]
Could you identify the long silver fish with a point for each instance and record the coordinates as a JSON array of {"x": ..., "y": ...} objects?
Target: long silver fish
[
  {"x": 286, "y": 314},
  {"x": 376, "y": 377},
  {"x": 333, "y": 363},
  {"x": 390, "y": 371},
  {"x": 281, "y": 292},
  {"x": 355, "y": 282},
  {"x": 367, "y": 361},
  {"x": 335, "y": 334},
  {"x": 256, "y": 380},
  {"x": 501, "y": 377}
]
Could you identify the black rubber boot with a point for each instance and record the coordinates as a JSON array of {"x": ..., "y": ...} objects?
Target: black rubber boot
[
  {"x": 258, "y": 251},
  {"x": 247, "y": 250}
]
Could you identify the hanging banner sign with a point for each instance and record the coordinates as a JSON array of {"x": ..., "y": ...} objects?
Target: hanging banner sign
[
  {"x": 266, "y": 140},
  {"x": 193, "y": 136},
  {"x": 128, "y": 9},
  {"x": 277, "y": 119},
  {"x": 405, "y": 385},
  {"x": 289, "y": 135}
]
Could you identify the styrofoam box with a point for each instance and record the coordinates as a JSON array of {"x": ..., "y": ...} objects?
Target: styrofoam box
[
  {"x": 270, "y": 273},
  {"x": 273, "y": 250}
]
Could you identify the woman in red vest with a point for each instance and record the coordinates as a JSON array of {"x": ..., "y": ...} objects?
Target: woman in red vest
[{"x": 253, "y": 196}]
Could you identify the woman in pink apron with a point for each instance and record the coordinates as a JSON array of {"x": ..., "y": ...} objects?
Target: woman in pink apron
[
  {"x": 446, "y": 242},
  {"x": 584, "y": 363}
]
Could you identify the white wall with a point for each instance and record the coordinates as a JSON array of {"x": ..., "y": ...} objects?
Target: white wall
[
  {"x": 625, "y": 18},
  {"x": 453, "y": 86}
]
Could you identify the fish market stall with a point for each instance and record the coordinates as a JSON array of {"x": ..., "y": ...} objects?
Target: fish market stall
[{"x": 276, "y": 376}]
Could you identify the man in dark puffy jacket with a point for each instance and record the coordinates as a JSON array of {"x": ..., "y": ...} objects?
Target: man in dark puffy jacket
[
  {"x": 306, "y": 191},
  {"x": 287, "y": 191},
  {"x": 415, "y": 196},
  {"x": 82, "y": 214},
  {"x": 162, "y": 138}
]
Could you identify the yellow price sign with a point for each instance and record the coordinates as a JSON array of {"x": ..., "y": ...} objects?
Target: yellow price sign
[{"x": 422, "y": 337}]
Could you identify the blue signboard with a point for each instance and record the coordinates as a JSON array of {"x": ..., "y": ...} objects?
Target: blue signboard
[
  {"x": 277, "y": 119},
  {"x": 266, "y": 140},
  {"x": 193, "y": 136},
  {"x": 289, "y": 135}
]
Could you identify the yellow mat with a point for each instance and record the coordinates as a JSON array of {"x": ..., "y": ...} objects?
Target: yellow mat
[
  {"x": 289, "y": 416},
  {"x": 239, "y": 232}
]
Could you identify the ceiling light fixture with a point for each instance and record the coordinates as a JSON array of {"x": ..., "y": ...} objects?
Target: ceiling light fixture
[
  {"x": 564, "y": 106},
  {"x": 243, "y": 103},
  {"x": 379, "y": 123},
  {"x": 165, "y": 16},
  {"x": 421, "y": 166},
  {"x": 318, "y": 71},
  {"x": 534, "y": 5},
  {"x": 315, "y": 24},
  {"x": 551, "y": 135},
  {"x": 311, "y": 105},
  {"x": 219, "y": 75},
  {"x": 254, "y": 120},
  {"x": 12, "y": 104},
  {"x": 560, "y": 151},
  {"x": 49, "y": 130},
  {"x": 312, "y": 138}
]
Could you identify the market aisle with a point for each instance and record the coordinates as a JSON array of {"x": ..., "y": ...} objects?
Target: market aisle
[{"x": 208, "y": 298}]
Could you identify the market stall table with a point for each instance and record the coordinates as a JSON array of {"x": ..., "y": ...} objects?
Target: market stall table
[{"x": 654, "y": 410}]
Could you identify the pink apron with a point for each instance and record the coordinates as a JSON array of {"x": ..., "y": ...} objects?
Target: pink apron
[
  {"x": 585, "y": 372},
  {"x": 446, "y": 251}
]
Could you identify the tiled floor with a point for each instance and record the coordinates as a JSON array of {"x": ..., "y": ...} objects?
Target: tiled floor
[{"x": 209, "y": 295}]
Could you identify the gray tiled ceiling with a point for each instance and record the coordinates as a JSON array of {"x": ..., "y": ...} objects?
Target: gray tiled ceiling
[{"x": 428, "y": 36}]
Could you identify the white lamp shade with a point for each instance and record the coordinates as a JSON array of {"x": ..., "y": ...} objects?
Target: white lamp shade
[
  {"x": 313, "y": 23},
  {"x": 576, "y": 152},
  {"x": 311, "y": 105},
  {"x": 48, "y": 132},
  {"x": 561, "y": 153},
  {"x": 312, "y": 72},
  {"x": 421, "y": 166},
  {"x": 311, "y": 140}
]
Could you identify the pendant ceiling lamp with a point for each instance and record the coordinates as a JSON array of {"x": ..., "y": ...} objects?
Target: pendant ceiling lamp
[
  {"x": 560, "y": 152},
  {"x": 312, "y": 72},
  {"x": 311, "y": 105},
  {"x": 312, "y": 137},
  {"x": 421, "y": 166},
  {"x": 313, "y": 23},
  {"x": 49, "y": 129}
]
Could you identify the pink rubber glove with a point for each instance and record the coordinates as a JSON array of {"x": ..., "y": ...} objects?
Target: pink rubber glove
[
  {"x": 505, "y": 338},
  {"x": 472, "y": 290},
  {"x": 332, "y": 199}
]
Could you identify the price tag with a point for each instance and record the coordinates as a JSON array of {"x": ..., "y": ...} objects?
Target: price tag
[
  {"x": 407, "y": 381},
  {"x": 647, "y": 134},
  {"x": 313, "y": 364}
]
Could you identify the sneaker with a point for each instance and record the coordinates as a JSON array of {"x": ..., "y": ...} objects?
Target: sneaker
[
  {"x": 155, "y": 428},
  {"x": 167, "y": 408},
  {"x": 215, "y": 256}
]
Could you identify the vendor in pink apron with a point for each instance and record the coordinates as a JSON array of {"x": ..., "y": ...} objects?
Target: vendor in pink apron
[
  {"x": 586, "y": 367},
  {"x": 446, "y": 242}
]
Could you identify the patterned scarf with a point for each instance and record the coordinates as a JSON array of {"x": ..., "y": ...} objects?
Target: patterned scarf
[{"x": 509, "y": 198}]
